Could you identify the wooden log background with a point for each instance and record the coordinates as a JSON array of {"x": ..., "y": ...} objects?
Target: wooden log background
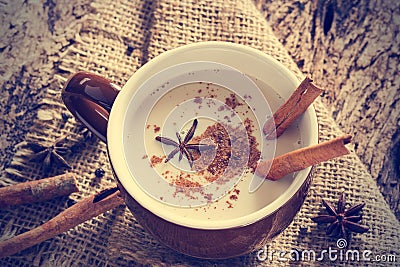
[{"x": 349, "y": 47}]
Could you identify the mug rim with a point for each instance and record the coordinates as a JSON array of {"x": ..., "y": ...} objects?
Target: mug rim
[{"x": 116, "y": 147}]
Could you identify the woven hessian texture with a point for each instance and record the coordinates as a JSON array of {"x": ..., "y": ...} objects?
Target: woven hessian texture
[{"x": 116, "y": 39}]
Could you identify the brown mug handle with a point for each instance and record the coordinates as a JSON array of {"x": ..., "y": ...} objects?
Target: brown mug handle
[{"x": 89, "y": 97}]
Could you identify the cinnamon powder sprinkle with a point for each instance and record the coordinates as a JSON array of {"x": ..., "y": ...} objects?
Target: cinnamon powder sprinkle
[
  {"x": 156, "y": 160},
  {"x": 232, "y": 101},
  {"x": 233, "y": 197},
  {"x": 198, "y": 100},
  {"x": 230, "y": 206},
  {"x": 224, "y": 153},
  {"x": 156, "y": 128},
  {"x": 184, "y": 182},
  {"x": 255, "y": 154},
  {"x": 220, "y": 137}
]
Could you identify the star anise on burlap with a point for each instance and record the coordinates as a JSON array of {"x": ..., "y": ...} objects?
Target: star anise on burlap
[
  {"x": 342, "y": 222},
  {"x": 50, "y": 156},
  {"x": 183, "y": 146}
]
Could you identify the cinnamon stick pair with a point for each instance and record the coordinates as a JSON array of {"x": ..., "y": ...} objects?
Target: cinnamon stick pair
[{"x": 297, "y": 160}]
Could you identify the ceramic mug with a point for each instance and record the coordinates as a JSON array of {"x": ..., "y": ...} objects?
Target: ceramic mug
[{"x": 161, "y": 99}]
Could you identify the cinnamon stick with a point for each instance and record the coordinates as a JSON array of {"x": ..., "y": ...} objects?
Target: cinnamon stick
[
  {"x": 302, "y": 158},
  {"x": 294, "y": 106},
  {"x": 69, "y": 218},
  {"x": 39, "y": 190}
]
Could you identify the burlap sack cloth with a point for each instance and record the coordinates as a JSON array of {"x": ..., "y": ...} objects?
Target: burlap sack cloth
[{"x": 115, "y": 40}]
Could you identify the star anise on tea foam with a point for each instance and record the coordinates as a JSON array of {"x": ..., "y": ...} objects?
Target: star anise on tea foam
[
  {"x": 183, "y": 146},
  {"x": 51, "y": 155},
  {"x": 342, "y": 222}
]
